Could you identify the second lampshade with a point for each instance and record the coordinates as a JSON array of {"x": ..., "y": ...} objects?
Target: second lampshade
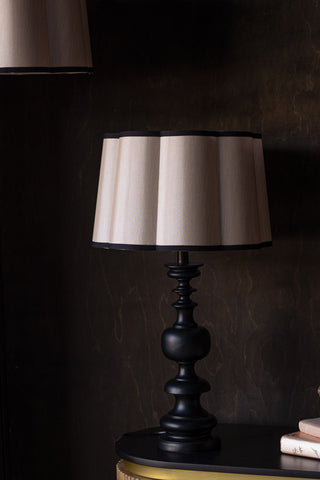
[{"x": 44, "y": 36}]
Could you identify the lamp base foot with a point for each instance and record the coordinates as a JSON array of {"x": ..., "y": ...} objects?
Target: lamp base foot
[{"x": 188, "y": 446}]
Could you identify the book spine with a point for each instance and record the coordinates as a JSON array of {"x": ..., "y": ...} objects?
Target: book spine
[
  {"x": 302, "y": 448},
  {"x": 309, "y": 429}
]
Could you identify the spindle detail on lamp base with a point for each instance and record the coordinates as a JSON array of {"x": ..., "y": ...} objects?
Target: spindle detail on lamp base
[{"x": 188, "y": 426}]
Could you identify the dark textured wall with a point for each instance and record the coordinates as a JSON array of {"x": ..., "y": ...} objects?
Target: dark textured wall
[{"x": 83, "y": 359}]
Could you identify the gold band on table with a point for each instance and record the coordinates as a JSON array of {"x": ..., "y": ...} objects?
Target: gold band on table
[{"x": 133, "y": 471}]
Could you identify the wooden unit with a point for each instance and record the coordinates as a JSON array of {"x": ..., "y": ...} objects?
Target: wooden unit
[
  {"x": 245, "y": 450},
  {"x": 132, "y": 471}
]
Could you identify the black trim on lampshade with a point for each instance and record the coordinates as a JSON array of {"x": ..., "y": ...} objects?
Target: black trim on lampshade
[
  {"x": 31, "y": 70},
  {"x": 120, "y": 246},
  {"x": 173, "y": 133},
  {"x": 133, "y": 134},
  {"x": 124, "y": 246},
  {"x": 208, "y": 133}
]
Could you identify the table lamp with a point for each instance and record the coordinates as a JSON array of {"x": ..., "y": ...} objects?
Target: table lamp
[
  {"x": 44, "y": 36},
  {"x": 183, "y": 191}
]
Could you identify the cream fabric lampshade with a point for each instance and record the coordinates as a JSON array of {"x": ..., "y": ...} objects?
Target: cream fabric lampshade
[
  {"x": 44, "y": 36},
  {"x": 182, "y": 190}
]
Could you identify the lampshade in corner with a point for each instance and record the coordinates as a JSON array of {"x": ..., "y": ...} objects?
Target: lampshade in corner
[
  {"x": 187, "y": 190},
  {"x": 44, "y": 36}
]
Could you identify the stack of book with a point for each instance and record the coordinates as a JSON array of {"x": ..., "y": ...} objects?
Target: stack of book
[{"x": 306, "y": 442}]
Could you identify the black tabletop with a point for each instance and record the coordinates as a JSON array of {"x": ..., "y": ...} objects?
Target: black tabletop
[{"x": 246, "y": 449}]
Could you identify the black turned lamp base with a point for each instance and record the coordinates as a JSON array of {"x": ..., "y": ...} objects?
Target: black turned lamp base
[
  {"x": 187, "y": 426},
  {"x": 204, "y": 444}
]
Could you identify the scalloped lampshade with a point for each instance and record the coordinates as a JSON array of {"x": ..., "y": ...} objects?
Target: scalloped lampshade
[
  {"x": 44, "y": 36},
  {"x": 185, "y": 190}
]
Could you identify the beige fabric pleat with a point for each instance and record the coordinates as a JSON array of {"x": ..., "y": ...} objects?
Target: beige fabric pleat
[
  {"x": 107, "y": 188},
  {"x": 44, "y": 33},
  {"x": 182, "y": 190},
  {"x": 188, "y": 195},
  {"x": 68, "y": 33},
  {"x": 238, "y": 191},
  {"x": 24, "y": 40},
  {"x": 134, "y": 213}
]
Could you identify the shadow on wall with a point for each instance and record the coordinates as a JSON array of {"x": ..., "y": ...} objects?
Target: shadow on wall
[
  {"x": 293, "y": 180},
  {"x": 263, "y": 307}
]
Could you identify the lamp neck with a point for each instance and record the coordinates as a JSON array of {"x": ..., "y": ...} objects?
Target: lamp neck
[{"x": 182, "y": 258}]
